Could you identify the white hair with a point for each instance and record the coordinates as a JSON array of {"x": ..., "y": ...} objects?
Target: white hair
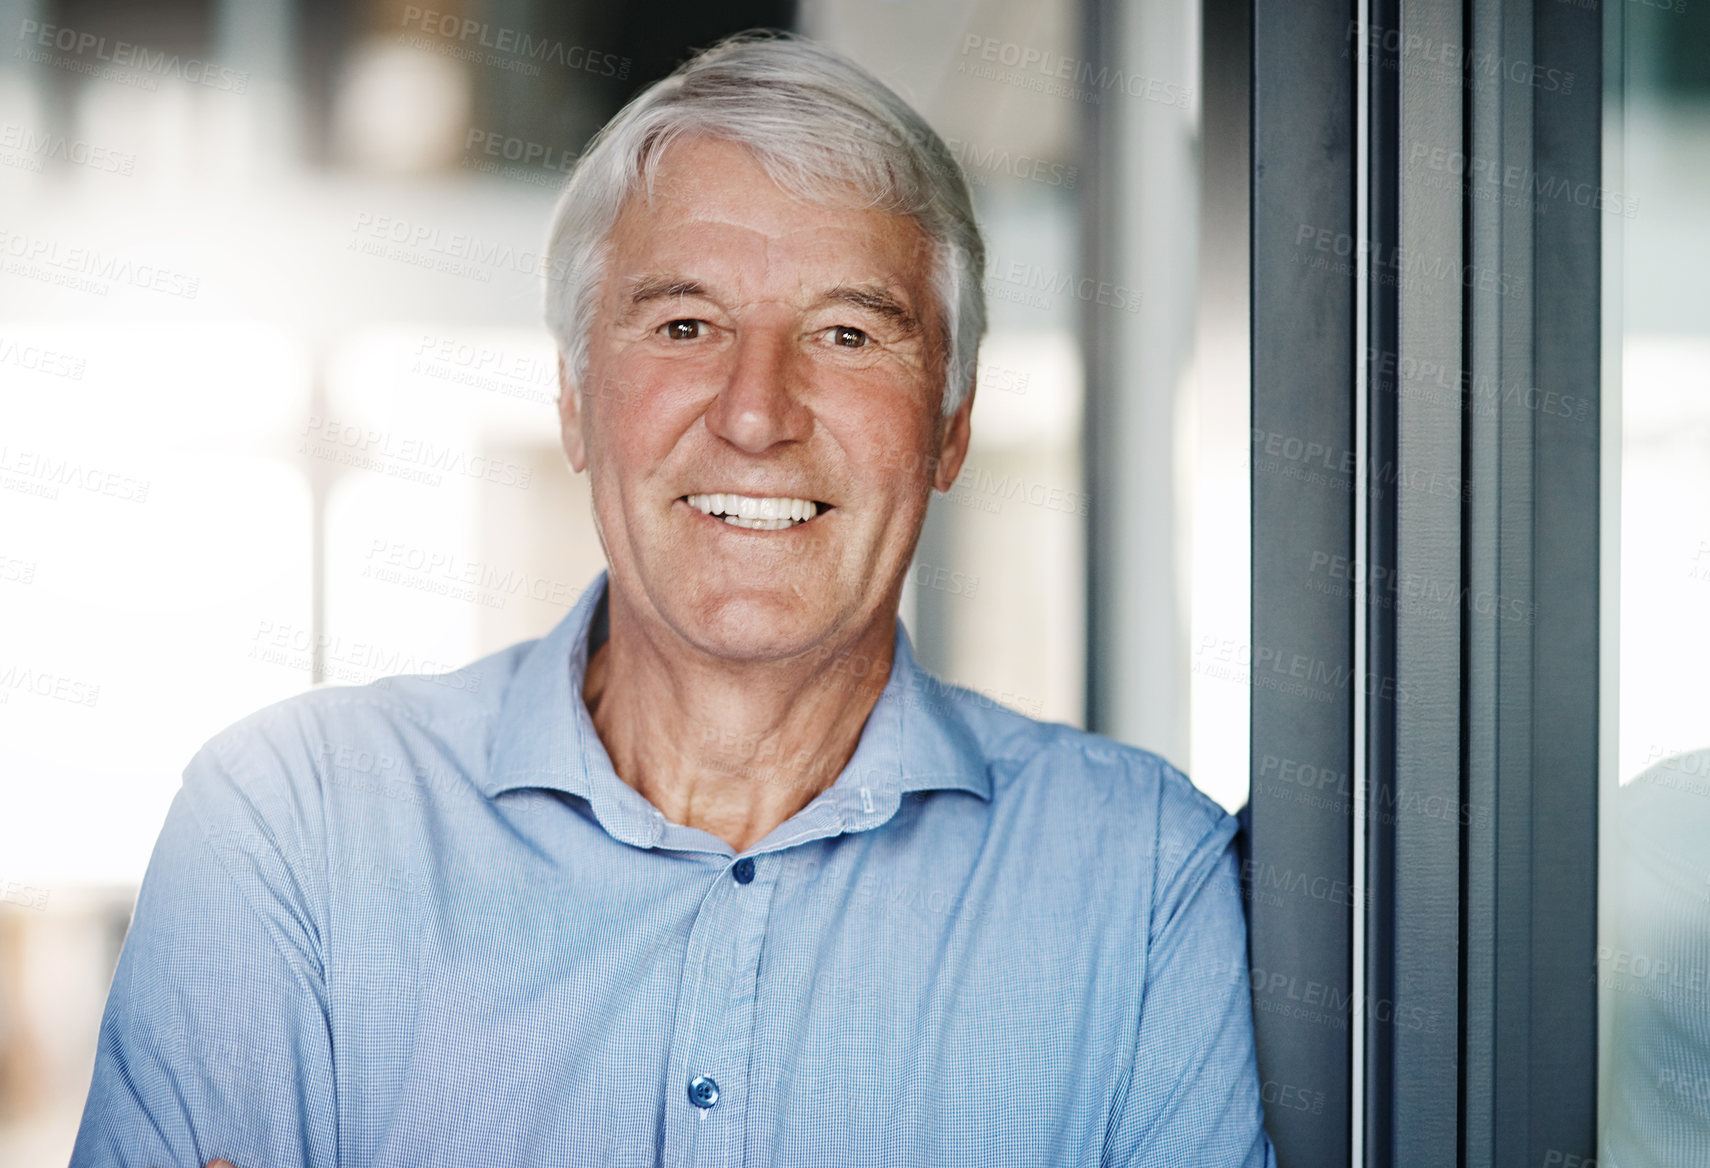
[{"x": 821, "y": 127}]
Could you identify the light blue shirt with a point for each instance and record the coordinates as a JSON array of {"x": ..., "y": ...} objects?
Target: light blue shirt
[{"x": 423, "y": 922}]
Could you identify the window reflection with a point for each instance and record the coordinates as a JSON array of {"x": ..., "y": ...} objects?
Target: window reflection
[{"x": 1654, "y": 951}]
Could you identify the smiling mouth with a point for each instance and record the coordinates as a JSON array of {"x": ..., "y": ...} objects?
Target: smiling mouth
[{"x": 758, "y": 512}]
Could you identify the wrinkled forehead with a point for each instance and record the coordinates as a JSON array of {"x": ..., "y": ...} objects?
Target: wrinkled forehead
[{"x": 702, "y": 191}]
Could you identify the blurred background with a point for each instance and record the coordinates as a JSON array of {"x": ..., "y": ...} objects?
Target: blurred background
[
  {"x": 277, "y": 398},
  {"x": 1654, "y": 924}
]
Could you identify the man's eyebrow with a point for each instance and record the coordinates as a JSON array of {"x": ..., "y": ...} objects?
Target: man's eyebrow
[
  {"x": 648, "y": 288},
  {"x": 875, "y": 299}
]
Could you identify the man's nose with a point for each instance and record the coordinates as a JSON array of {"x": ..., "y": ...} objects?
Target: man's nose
[{"x": 760, "y": 403}]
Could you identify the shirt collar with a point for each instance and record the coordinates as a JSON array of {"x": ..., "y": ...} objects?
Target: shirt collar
[{"x": 915, "y": 739}]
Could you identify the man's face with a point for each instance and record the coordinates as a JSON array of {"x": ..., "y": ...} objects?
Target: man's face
[{"x": 748, "y": 343}]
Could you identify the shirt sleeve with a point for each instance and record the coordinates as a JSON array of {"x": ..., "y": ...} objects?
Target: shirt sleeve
[
  {"x": 215, "y": 1040},
  {"x": 1193, "y": 1094}
]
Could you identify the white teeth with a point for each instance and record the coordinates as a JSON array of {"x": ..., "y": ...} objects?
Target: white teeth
[{"x": 758, "y": 512}]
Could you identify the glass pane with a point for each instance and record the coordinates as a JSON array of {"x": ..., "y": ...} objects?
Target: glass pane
[{"x": 1654, "y": 950}]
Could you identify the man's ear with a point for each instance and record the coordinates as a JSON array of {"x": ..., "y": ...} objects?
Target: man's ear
[
  {"x": 570, "y": 420},
  {"x": 953, "y": 443}
]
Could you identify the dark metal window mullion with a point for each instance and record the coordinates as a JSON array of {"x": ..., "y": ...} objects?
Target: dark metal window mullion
[
  {"x": 1482, "y": 821},
  {"x": 1303, "y": 672},
  {"x": 1424, "y": 1018},
  {"x": 1381, "y": 60},
  {"x": 1560, "y": 938}
]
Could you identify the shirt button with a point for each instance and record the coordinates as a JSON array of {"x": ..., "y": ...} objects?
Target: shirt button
[
  {"x": 744, "y": 870},
  {"x": 703, "y": 1092}
]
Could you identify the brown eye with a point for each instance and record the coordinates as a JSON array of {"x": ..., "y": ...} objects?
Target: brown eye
[
  {"x": 683, "y": 330},
  {"x": 849, "y": 338}
]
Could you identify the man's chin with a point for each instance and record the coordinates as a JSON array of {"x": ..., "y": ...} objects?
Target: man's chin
[
  {"x": 758, "y": 610},
  {"x": 757, "y": 629}
]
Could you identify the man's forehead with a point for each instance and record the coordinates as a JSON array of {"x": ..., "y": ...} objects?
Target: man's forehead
[
  {"x": 799, "y": 229},
  {"x": 662, "y": 257},
  {"x": 701, "y": 187}
]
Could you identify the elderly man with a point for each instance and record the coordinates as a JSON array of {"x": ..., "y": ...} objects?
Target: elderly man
[{"x": 713, "y": 873}]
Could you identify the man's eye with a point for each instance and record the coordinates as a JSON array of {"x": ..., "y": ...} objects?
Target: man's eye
[
  {"x": 849, "y": 338},
  {"x": 683, "y": 330}
]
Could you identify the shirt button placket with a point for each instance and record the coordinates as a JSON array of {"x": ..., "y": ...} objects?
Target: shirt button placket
[{"x": 716, "y": 1013}]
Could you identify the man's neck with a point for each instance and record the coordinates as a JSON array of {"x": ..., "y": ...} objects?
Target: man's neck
[{"x": 733, "y": 749}]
